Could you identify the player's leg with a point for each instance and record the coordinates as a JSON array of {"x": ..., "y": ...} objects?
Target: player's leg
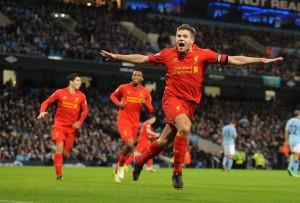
[
  {"x": 128, "y": 134},
  {"x": 129, "y": 160},
  {"x": 230, "y": 157},
  {"x": 58, "y": 138},
  {"x": 291, "y": 164},
  {"x": 150, "y": 165},
  {"x": 183, "y": 125},
  {"x": 296, "y": 160},
  {"x": 68, "y": 143},
  {"x": 167, "y": 136},
  {"x": 224, "y": 161}
]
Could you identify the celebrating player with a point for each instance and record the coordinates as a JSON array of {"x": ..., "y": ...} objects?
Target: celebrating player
[
  {"x": 292, "y": 138},
  {"x": 71, "y": 111},
  {"x": 130, "y": 98},
  {"x": 229, "y": 135},
  {"x": 147, "y": 135},
  {"x": 185, "y": 66}
]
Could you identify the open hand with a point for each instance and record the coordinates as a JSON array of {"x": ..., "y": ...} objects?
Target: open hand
[
  {"x": 265, "y": 60},
  {"x": 42, "y": 115},
  {"x": 108, "y": 55}
]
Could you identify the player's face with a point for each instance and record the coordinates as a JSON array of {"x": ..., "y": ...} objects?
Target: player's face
[
  {"x": 76, "y": 83},
  {"x": 184, "y": 40},
  {"x": 153, "y": 119},
  {"x": 137, "y": 77}
]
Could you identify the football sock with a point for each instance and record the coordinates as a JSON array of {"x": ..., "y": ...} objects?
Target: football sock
[
  {"x": 151, "y": 152},
  {"x": 130, "y": 159},
  {"x": 229, "y": 164},
  {"x": 179, "y": 152},
  {"x": 295, "y": 166},
  {"x": 224, "y": 161},
  {"x": 122, "y": 159},
  {"x": 58, "y": 162}
]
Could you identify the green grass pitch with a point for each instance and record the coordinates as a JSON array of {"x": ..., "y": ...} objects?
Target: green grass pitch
[{"x": 38, "y": 184}]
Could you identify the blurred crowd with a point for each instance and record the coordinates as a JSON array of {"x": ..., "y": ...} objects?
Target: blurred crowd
[
  {"x": 35, "y": 31},
  {"x": 24, "y": 138}
]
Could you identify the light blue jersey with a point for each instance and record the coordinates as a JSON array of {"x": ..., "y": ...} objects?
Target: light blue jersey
[
  {"x": 293, "y": 128},
  {"x": 229, "y": 134}
]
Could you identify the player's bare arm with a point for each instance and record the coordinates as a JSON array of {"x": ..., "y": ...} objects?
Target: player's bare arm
[
  {"x": 152, "y": 133},
  {"x": 243, "y": 60},
  {"x": 131, "y": 58}
]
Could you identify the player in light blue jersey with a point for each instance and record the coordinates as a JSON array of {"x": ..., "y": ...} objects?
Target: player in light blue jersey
[
  {"x": 229, "y": 136},
  {"x": 292, "y": 138}
]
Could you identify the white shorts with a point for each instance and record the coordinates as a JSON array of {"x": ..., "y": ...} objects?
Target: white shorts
[
  {"x": 295, "y": 148},
  {"x": 229, "y": 150}
]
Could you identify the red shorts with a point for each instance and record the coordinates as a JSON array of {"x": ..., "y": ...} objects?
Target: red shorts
[
  {"x": 142, "y": 146},
  {"x": 173, "y": 106},
  {"x": 67, "y": 135},
  {"x": 127, "y": 131}
]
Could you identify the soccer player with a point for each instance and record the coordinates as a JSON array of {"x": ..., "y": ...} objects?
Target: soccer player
[
  {"x": 147, "y": 135},
  {"x": 71, "y": 111},
  {"x": 229, "y": 135},
  {"x": 292, "y": 138},
  {"x": 130, "y": 98},
  {"x": 185, "y": 65}
]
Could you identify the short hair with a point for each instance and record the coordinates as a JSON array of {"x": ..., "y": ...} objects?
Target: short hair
[
  {"x": 187, "y": 27},
  {"x": 296, "y": 112},
  {"x": 139, "y": 70},
  {"x": 72, "y": 76}
]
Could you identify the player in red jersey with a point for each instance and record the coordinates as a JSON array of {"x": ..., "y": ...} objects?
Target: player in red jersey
[
  {"x": 130, "y": 98},
  {"x": 147, "y": 135},
  {"x": 185, "y": 66},
  {"x": 71, "y": 111}
]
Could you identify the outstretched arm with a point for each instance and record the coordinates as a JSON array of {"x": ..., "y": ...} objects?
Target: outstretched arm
[
  {"x": 131, "y": 58},
  {"x": 243, "y": 60}
]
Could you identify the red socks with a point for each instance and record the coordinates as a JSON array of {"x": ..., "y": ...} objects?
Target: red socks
[
  {"x": 130, "y": 159},
  {"x": 58, "y": 163},
  {"x": 151, "y": 152},
  {"x": 122, "y": 159},
  {"x": 150, "y": 163},
  {"x": 179, "y": 152}
]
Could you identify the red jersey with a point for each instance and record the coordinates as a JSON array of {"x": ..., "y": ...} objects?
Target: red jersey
[
  {"x": 71, "y": 107},
  {"x": 144, "y": 135},
  {"x": 133, "y": 98},
  {"x": 185, "y": 75}
]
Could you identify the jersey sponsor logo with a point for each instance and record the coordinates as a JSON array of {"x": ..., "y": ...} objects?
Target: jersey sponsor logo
[
  {"x": 133, "y": 99},
  {"x": 69, "y": 105},
  {"x": 179, "y": 70}
]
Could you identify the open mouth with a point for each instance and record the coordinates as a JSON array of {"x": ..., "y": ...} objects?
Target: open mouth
[{"x": 181, "y": 44}]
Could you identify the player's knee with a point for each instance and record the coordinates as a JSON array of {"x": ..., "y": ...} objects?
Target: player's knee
[
  {"x": 59, "y": 148},
  {"x": 184, "y": 130},
  {"x": 164, "y": 142}
]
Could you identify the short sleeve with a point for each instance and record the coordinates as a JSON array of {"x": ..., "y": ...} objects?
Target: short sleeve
[
  {"x": 214, "y": 57},
  {"x": 157, "y": 58}
]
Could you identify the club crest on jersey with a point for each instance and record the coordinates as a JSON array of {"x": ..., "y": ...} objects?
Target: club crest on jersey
[
  {"x": 64, "y": 97},
  {"x": 76, "y": 100}
]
